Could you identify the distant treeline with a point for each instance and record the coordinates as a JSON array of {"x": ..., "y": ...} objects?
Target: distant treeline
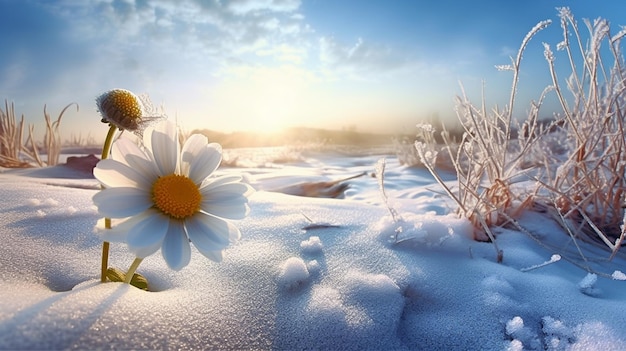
[
  {"x": 300, "y": 135},
  {"x": 303, "y": 135}
]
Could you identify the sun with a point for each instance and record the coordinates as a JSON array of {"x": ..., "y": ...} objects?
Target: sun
[
  {"x": 263, "y": 99},
  {"x": 274, "y": 102}
]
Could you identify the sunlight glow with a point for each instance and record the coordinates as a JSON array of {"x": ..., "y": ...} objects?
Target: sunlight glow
[{"x": 263, "y": 99}]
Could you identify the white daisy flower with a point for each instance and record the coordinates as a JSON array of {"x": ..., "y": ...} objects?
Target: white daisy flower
[{"x": 168, "y": 198}]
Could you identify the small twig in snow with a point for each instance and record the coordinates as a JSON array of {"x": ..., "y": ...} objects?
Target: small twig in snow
[{"x": 553, "y": 259}]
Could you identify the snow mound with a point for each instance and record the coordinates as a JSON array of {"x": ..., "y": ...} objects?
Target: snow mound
[
  {"x": 351, "y": 311},
  {"x": 293, "y": 273},
  {"x": 429, "y": 229},
  {"x": 554, "y": 335},
  {"x": 312, "y": 246},
  {"x": 587, "y": 285}
]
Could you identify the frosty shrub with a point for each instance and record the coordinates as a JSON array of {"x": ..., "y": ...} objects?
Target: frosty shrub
[
  {"x": 408, "y": 155},
  {"x": 587, "y": 189},
  {"x": 578, "y": 161},
  {"x": 488, "y": 160}
]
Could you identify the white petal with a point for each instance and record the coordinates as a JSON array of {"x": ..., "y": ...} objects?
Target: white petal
[
  {"x": 210, "y": 233},
  {"x": 115, "y": 174},
  {"x": 225, "y": 191},
  {"x": 120, "y": 227},
  {"x": 175, "y": 249},
  {"x": 207, "y": 232},
  {"x": 146, "y": 237},
  {"x": 226, "y": 201},
  {"x": 122, "y": 202},
  {"x": 234, "y": 210},
  {"x": 135, "y": 158},
  {"x": 210, "y": 183},
  {"x": 115, "y": 234},
  {"x": 165, "y": 147},
  {"x": 202, "y": 160},
  {"x": 193, "y": 146},
  {"x": 213, "y": 255},
  {"x": 120, "y": 147}
]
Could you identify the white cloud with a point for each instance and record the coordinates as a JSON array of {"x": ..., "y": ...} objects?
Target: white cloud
[
  {"x": 246, "y": 6},
  {"x": 285, "y": 53},
  {"x": 211, "y": 28},
  {"x": 361, "y": 58},
  {"x": 162, "y": 33}
]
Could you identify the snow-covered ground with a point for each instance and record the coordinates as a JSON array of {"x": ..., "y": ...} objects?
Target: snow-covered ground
[{"x": 308, "y": 273}]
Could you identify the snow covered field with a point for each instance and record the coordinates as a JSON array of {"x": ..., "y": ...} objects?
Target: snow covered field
[{"x": 308, "y": 273}]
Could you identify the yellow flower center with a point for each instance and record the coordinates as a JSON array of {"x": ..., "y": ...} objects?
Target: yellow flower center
[
  {"x": 176, "y": 195},
  {"x": 121, "y": 107}
]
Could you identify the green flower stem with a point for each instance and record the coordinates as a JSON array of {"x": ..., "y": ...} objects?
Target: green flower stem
[
  {"x": 132, "y": 269},
  {"x": 105, "y": 256},
  {"x": 107, "y": 221}
]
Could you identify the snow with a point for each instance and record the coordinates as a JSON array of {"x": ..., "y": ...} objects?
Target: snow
[
  {"x": 308, "y": 273},
  {"x": 293, "y": 273},
  {"x": 312, "y": 245}
]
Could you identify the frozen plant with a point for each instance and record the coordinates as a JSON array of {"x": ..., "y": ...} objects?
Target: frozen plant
[
  {"x": 426, "y": 145},
  {"x": 488, "y": 161},
  {"x": 583, "y": 174},
  {"x": 588, "y": 187},
  {"x": 380, "y": 176}
]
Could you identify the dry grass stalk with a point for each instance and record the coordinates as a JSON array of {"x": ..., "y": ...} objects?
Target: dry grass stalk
[
  {"x": 52, "y": 138},
  {"x": 13, "y": 148},
  {"x": 80, "y": 140},
  {"x": 11, "y": 132},
  {"x": 426, "y": 148},
  {"x": 30, "y": 147}
]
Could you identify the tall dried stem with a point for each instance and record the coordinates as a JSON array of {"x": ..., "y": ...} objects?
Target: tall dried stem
[{"x": 52, "y": 138}]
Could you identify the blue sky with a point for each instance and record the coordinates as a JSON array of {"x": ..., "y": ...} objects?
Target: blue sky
[{"x": 268, "y": 64}]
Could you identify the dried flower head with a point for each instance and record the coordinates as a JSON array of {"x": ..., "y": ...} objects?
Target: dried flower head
[{"x": 126, "y": 110}]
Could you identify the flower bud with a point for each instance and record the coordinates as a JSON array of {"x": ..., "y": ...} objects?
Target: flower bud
[{"x": 121, "y": 108}]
